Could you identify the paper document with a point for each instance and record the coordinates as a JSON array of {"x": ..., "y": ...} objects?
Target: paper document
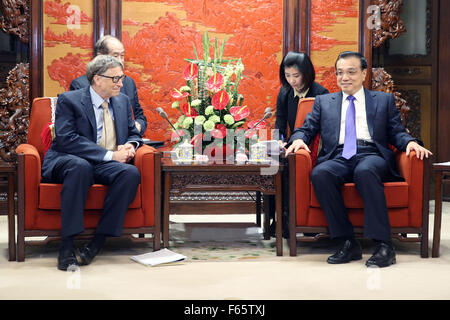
[{"x": 158, "y": 257}]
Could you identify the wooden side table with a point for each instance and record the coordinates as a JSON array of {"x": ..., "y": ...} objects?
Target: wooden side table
[
  {"x": 9, "y": 170},
  {"x": 442, "y": 174},
  {"x": 179, "y": 178}
]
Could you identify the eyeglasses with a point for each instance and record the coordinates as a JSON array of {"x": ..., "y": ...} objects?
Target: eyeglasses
[
  {"x": 114, "y": 79},
  {"x": 350, "y": 73}
]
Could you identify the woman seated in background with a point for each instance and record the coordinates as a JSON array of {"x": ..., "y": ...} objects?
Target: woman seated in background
[{"x": 297, "y": 77}]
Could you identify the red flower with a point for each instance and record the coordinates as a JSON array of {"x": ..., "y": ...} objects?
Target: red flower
[
  {"x": 220, "y": 100},
  {"x": 239, "y": 112},
  {"x": 219, "y": 131},
  {"x": 188, "y": 110},
  {"x": 191, "y": 72},
  {"x": 176, "y": 94},
  {"x": 215, "y": 82}
]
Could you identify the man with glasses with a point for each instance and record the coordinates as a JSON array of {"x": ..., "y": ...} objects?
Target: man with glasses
[
  {"x": 96, "y": 138},
  {"x": 112, "y": 46},
  {"x": 356, "y": 125}
]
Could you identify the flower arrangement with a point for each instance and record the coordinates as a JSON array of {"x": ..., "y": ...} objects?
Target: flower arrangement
[{"x": 213, "y": 114}]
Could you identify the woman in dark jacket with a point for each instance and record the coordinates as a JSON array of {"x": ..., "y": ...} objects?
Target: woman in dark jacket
[{"x": 297, "y": 77}]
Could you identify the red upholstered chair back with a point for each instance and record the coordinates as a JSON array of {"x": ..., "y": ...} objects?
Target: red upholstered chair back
[
  {"x": 41, "y": 116},
  {"x": 304, "y": 107}
]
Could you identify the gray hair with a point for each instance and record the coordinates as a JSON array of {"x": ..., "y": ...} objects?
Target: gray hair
[
  {"x": 100, "y": 64},
  {"x": 101, "y": 46}
]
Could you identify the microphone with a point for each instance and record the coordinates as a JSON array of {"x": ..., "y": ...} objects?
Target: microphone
[
  {"x": 267, "y": 114},
  {"x": 163, "y": 114}
]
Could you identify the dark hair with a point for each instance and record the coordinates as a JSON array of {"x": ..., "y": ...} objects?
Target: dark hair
[
  {"x": 303, "y": 63},
  {"x": 347, "y": 54},
  {"x": 101, "y": 46}
]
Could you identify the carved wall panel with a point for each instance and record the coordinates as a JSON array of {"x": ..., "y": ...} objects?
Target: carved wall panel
[
  {"x": 158, "y": 36},
  {"x": 15, "y": 18},
  {"x": 334, "y": 28},
  {"x": 14, "y": 111},
  {"x": 391, "y": 25}
]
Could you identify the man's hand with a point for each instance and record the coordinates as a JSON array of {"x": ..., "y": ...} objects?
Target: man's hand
[
  {"x": 420, "y": 151},
  {"x": 297, "y": 144},
  {"x": 124, "y": 153},
  {"x": 138, "y": 126}
]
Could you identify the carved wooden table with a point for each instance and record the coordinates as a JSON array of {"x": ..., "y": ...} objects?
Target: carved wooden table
[
  {"x": 179, "y": 178},
  {"x": 9, "y": 170},
  {"x": 442, "y": 173}
]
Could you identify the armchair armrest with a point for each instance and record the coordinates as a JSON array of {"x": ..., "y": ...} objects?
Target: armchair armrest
[
  {"x": 29, "y": 177},
  {"x": 412, "y": 169},
  {"x": 303, "y": 168},
  {"x": 144, "y": 160}
]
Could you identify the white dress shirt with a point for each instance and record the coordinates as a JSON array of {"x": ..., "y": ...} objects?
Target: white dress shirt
[{"x": 362, "y": 130}]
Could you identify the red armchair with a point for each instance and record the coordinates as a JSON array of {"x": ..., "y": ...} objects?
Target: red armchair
[
  {"x": 39, "y": 203},
  {"x": 407, "y": 201}
]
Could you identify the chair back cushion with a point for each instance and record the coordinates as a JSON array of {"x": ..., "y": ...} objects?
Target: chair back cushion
[{"x": 41, "y": 116}]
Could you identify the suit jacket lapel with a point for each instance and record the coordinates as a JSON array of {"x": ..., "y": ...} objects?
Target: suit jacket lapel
[
  {"x": 371, "y": 109},
  {"x": 87, "y": 105},
  {"x": 336, "y": 106},
  {"x": 117, "y": 117}
]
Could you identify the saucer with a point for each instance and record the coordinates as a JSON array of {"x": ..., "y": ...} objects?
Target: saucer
[
  {"x": 183, "y": 161},
  {"x": 260, "y": 161}
]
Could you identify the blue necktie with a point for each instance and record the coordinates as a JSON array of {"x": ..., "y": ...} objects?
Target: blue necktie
[{"x": 350, "y": 130}]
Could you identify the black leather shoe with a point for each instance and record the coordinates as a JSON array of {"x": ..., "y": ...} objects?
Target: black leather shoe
[
  {"x": 87, "y": 254},
  {"x": 67, "y": 260},
  {"x": 349, "y": 251},
  {"x": 384, "y": 256}
]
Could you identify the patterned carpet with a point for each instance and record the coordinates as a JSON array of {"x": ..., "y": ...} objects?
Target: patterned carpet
[{"x": 220, "y": 244}]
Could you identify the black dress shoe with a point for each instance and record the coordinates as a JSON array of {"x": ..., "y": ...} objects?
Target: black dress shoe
[
  {"x": 67, "y": 260},
  {"x": 384, "y": 256},
  {"x": 87, "y": 254},
  {"x": 349, "y": 251}
]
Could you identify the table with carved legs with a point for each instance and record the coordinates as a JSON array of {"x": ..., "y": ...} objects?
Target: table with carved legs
[{"x": 179, "y": 178}]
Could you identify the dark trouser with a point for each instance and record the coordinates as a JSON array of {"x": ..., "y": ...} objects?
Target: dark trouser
[
  {"x": 367, "y": 169},
  {"x": 77, "y": 176}
]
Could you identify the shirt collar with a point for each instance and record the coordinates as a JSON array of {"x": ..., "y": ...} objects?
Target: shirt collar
[
  {"x": 95, "y": 98},
  {"x": 359, "y": 95},
  {"x": 300, "y": 95}
]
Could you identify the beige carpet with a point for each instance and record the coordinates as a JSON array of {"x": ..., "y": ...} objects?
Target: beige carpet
[{"x": 238, "y": 264}]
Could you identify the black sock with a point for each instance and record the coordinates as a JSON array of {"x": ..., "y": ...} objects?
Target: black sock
[
  {"x": 98, "y": 241},
  {"x": 349, "y": 238},
  {"x": 67, "y": 243}
]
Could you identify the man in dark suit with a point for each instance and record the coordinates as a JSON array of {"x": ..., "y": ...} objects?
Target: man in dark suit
[
  {"x": 112, "y": 46},
  {"x": 95, "y": 139},
  {"x": 356, "y": 125}
]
